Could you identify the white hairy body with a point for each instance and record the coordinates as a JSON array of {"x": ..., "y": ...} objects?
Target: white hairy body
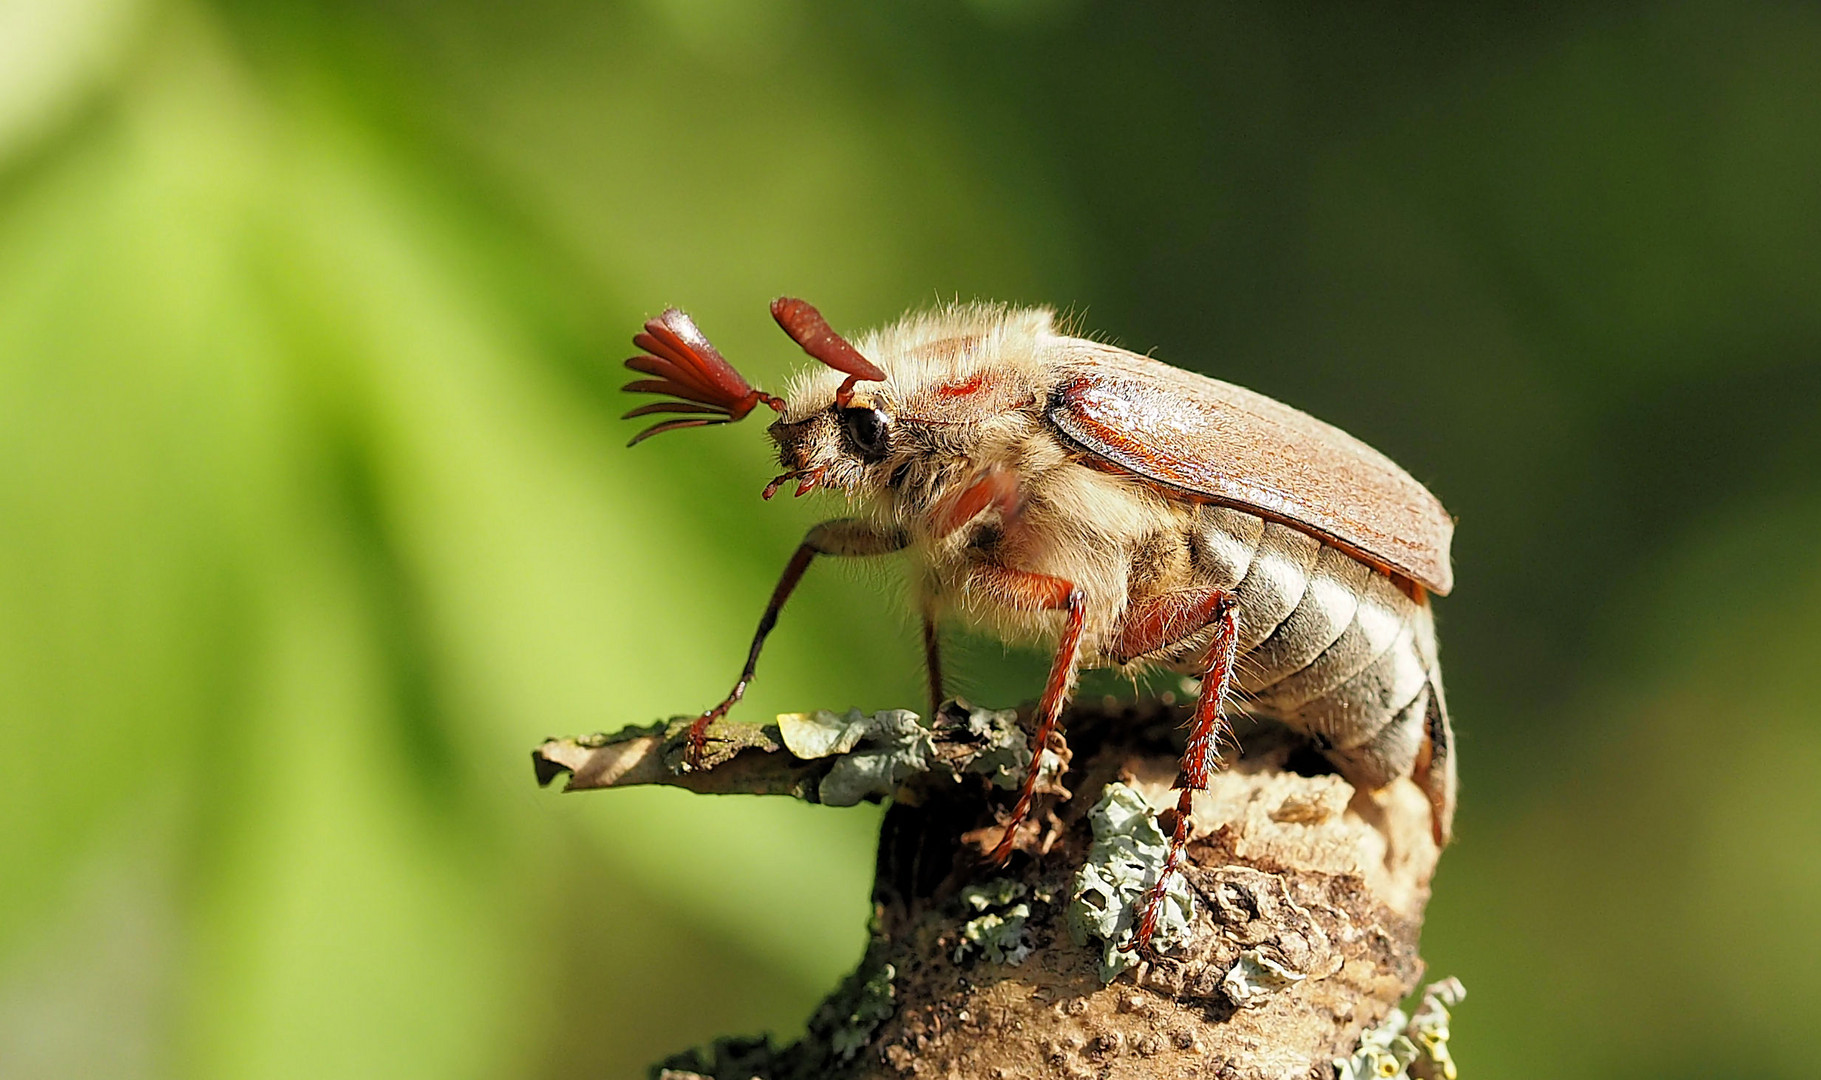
[{"x": 1331, "y": 644}]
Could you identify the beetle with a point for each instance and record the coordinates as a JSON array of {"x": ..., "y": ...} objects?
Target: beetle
[{"x": 1048, "y": 487}]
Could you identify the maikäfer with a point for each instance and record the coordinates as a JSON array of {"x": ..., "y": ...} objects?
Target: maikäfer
[{"x": 1049, "y": 487}]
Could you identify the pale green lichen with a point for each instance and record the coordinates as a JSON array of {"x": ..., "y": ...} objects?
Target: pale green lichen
[
  {"x": 1384, "y": 1052},
  {"x": 1255, "y": 977},
  {"x": 821, "y": 733},
  {"x": 1429, "y": 1030},
  {"x": 998, "y": 933},
  {"x": 995, "y": 893},
  {"x": 1005, "y": 751},
  {"x": 1111, "y": 889},
  {"x": 877, "y": 752},
  {"x": 872, "y": 1006},
  {"x": 839, "y": 1030},
  {"x": 1408, "y": 1048},
  {"x": 997, "y": 936}
]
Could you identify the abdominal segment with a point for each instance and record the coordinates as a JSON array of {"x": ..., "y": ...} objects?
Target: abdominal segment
[{"x": 1329, "y": 646}]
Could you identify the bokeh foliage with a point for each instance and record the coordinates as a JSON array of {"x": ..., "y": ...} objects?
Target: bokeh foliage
[{"x": 314, "y": 514}]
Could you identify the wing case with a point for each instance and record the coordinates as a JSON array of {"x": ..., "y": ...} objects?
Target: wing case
[{"x": 1228, "y": 445}]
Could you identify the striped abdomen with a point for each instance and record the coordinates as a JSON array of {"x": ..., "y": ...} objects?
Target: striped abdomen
[{"x": 1329, "y": 646}]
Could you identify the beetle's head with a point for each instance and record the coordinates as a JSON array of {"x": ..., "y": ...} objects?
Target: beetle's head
[
  {"x": 848, "y": 444},
  {"x": 839, "y": 429},
  {"x": 835, "y": 432}
]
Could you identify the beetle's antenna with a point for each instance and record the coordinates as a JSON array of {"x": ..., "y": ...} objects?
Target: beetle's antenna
[
  {"x": 808, "y": 328},
  {"x": 686, "y": 366}
]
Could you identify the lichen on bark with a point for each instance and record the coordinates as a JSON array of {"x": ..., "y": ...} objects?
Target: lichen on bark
[{"x": 1302, "y": 899}]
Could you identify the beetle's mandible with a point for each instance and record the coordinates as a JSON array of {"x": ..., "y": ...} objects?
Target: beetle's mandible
[{"x": 1048, "y": 487}]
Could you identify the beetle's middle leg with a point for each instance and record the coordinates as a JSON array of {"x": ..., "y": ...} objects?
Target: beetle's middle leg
[
  {"x": 932, "y": 657},
  {"x": 1033, "y": 591},
  {"x": 841, "y": 536},
  {"x": 1146, "y": 629}
]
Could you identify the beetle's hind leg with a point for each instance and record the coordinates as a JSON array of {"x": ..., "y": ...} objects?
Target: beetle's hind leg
[{"x": 1152, "y": 627}]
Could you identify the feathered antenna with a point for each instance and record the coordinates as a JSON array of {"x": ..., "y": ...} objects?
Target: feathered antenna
[
  {"x": 686, "y": 366},
  {"x": 808, "y": 328}
]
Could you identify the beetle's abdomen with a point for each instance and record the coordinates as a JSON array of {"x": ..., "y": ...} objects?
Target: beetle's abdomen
[{"x": 1328, "y": 645}]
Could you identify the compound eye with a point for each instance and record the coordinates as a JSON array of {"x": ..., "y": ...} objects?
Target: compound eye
[{"x": 870, "y": 431}]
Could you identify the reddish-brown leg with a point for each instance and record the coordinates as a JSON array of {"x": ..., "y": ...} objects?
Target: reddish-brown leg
[
  {"x": 932, "y": 659},
  {"x": 843, "y": 536},
  {"x": 1021, "y": 588},
  {"x": 1158, "y": 623},
  {"x": 1145, "y": 630}
]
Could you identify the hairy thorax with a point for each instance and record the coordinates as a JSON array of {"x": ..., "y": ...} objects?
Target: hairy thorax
[{"x": 1116, "y": 542}]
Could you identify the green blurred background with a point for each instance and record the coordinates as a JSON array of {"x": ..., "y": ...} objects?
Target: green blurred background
[{"x": 315, "y": 513}]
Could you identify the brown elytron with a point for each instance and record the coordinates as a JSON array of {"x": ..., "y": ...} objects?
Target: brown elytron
[
  {"x": 1135, "y": 514},
  {"x": 1233, "y": 446}
]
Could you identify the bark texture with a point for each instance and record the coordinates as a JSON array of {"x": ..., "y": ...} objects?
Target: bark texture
[{"x": 1308, "y": 902}]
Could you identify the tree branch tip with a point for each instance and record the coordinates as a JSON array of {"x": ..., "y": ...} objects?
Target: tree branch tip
[{"x": 838, "y": 759}]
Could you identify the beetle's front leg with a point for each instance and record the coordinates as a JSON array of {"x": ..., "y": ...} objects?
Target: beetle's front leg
[{"x": 842, "y": 536}]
